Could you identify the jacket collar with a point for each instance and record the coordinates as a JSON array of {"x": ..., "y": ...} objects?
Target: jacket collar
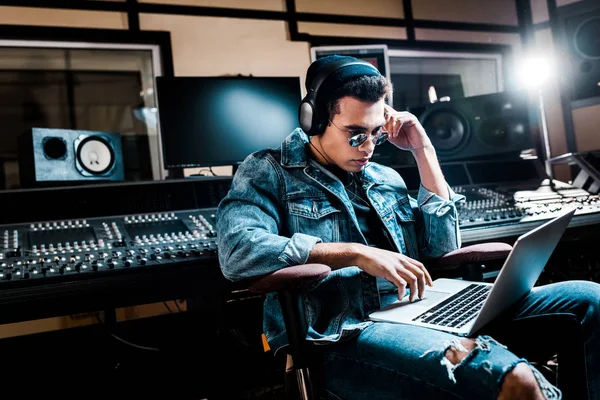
[
  {"x": 293, "y": 151},
  {"x": 293, "y": 155}
]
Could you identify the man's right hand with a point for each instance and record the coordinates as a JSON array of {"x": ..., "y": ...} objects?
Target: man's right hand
[{"x": 396, "y": 268}]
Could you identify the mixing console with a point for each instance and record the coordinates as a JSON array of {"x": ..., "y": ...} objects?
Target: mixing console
[
  {"x": 44, "y": 252},
  {"x": 64, "y": 250},
  {"x": 487, "y": 206}
]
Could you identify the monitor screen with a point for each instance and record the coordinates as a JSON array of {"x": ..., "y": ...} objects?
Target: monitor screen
[{"x": 213, "y": 121}]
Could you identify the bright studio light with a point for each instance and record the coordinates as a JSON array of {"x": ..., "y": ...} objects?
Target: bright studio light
[{"x": 534, "y": 71}]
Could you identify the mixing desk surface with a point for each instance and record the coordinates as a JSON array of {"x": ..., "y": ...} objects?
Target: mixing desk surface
[
  {"x": 71, "y": 249},
  {"x": 491, "y": 212},
  {"x": 65, "y": 250}
]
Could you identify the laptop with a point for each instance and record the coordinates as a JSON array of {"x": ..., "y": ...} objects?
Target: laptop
[{"x": 462, "y": 307}]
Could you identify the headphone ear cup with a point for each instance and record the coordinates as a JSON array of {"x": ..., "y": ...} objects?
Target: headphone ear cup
[{"x": 306, "y": 116}]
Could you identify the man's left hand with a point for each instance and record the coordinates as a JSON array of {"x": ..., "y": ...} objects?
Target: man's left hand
[{"x": 406, "y": 132}]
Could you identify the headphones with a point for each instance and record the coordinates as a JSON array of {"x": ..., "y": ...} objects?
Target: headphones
[{"x": 307, "y": 112}]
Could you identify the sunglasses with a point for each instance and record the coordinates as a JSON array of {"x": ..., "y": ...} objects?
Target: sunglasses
[{"x": 356, "y": 140}]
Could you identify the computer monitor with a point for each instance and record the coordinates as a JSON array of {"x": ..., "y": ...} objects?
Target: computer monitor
[{"x": 220, "y": 120}]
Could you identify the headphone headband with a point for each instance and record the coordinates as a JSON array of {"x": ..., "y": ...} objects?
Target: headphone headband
[
  {"x": 330, "y": 69},
  {"x": 307, "y": 110}
]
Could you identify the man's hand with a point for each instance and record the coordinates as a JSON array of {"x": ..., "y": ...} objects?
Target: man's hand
[
  {"x": 406, "y": 132},
  {"x": 396, "y": 268}
]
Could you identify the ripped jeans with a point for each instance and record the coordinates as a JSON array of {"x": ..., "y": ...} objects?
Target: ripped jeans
[{"x": 393, "y": 361}]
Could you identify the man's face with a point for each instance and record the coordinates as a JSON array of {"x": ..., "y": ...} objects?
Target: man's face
[{"x": 355, "y": 117}]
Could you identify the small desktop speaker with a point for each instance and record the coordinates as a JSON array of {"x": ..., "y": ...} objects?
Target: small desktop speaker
[
  {"x": 474, "y": 127},
  {"x": 578, "y": 28},
  {"x": 57, "y": 156}
]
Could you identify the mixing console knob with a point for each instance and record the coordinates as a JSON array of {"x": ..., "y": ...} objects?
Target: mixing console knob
[
  {"x": 127, "y": 263},
  {"x": 142, "y": 261},
  {"x": 153, "y": 256}
]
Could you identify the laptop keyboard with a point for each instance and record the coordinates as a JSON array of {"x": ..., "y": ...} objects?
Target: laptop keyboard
[{"x": 457, "y": 310}]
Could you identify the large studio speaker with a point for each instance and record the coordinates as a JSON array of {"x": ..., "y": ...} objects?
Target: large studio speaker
[
  {"x": 579, "y": 36},
  {"x": 474, "y": 127},
  {"x": 49, "y": 157}
]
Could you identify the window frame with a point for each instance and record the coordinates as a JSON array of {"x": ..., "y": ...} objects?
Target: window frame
[{"x": 158, "y": 42}]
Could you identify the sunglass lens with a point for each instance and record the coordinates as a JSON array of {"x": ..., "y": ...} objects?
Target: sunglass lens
[
  {"x": 357, "y": 140},
  {"x": 382, "y": 138}
]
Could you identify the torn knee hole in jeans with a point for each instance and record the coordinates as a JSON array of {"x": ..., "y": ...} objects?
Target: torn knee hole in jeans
[
  {"x": 481, "y": 343},
  {"x": 484, "y": 344}
]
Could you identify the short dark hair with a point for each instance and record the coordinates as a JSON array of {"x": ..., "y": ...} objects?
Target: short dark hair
[{"x": 365, "y": 88}]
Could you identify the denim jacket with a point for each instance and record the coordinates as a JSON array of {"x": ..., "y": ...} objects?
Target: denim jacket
[{"x": 281, "y": 203}]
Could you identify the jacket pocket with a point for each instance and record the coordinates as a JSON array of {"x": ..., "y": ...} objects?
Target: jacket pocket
[{"x": 316, "y": 217}]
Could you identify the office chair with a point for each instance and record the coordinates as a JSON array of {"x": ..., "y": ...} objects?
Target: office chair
[{"x": 289, "y": 283}]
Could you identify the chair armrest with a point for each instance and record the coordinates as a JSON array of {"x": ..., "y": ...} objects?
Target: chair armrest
[
  {"x": 290, "y": 278},
  {"x": 477, "y": 253}
]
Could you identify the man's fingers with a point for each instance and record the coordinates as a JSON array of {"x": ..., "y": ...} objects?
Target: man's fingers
[
  {"x": 412, "y": 282},
  {"x": 421, "y": 267},
  {"x": 399, "y": 283},
  {"x": 420, "y": 275}
]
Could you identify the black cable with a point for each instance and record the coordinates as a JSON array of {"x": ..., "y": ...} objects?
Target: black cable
[
  {"x": 212, "y": 172},
  {"x": 137, "y": 346},
  {"x": 168, "y": 308}
]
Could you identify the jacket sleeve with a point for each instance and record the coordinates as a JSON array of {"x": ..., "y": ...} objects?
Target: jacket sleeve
[
  {"x": 439, "y": 233},
  {"x": 249, "y": 221}
]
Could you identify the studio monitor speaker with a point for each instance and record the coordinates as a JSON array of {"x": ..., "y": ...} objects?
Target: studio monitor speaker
[
  {"x": 579, "y": 36},
  {"x": 488, "y": 125},
  {"x": 54, "y": 156}
]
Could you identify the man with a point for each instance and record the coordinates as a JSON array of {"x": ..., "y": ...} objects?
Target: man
[{"x": 319, "y": 199}]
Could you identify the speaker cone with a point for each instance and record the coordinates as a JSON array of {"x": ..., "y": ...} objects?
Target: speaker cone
[
  {"x": 447, "y": 129},
  {"x": 95, "y": 155},
  {"x": 498, "y": 132},
  {"x": 587, "y": 38}
]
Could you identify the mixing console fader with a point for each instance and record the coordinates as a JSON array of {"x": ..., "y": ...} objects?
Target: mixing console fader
[{"x": 46, "y": 251}]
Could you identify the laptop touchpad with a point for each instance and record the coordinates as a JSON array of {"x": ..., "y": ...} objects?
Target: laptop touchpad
[{"x": 429, "y": 298}]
